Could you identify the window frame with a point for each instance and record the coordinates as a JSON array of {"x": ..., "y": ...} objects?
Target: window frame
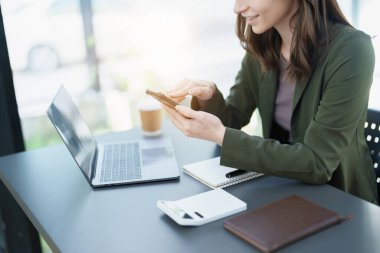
[{"x": 19, "y": 233}]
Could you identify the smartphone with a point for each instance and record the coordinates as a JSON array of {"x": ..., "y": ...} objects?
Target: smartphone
[{"x": 162, "y": 98}]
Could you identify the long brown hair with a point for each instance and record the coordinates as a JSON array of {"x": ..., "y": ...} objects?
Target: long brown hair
[{"x": 310, "y": 30}]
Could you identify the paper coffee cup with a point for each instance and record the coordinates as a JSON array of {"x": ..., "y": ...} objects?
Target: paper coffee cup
[{"x": 151, "y": 116}]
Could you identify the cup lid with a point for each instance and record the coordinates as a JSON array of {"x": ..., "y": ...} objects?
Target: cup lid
[{"x": 148, "y": 104}]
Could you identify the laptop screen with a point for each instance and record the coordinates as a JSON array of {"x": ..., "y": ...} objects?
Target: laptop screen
[{"x": 71, "y": 127}]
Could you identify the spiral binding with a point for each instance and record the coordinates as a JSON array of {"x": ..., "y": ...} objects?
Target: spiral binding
[{"x": 240, "y": 179}]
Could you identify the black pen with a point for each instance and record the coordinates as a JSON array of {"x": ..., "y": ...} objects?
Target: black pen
[{"x": 235, "y": 173}]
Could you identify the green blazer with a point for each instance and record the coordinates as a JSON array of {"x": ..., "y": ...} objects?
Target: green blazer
[{"x": 327, "y": 124}]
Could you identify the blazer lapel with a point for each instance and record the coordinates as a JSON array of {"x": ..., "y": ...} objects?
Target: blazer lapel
[
  {"x": 301, "y": 85},
  {"x": 299, "y": 89}
]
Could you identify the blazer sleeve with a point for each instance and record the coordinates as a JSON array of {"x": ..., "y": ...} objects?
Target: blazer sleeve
[
  {"x": 236, "y": 110},
  {"x": 348, "y": 76}
]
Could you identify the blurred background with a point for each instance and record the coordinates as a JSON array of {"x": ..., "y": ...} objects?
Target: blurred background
[
  {"x": 106, "y": 59},
  {"x": 107, "y": 52}
]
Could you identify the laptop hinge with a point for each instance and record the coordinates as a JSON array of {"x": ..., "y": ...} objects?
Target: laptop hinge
[{"x": 93, "y": 164}]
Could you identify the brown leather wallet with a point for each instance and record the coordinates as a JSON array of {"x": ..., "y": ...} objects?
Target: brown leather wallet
[
  {"x": 162, "y": 98},
  {"x": 281, "y": 223}
]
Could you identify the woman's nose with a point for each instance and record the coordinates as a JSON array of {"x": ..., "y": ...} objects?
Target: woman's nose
[{"x": 240, "y": 6}]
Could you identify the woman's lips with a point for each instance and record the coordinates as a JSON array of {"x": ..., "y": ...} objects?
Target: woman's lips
[{"x": 251, "y": 19}]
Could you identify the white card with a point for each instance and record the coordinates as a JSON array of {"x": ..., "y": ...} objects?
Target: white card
[{"x": 202, "y": 208}]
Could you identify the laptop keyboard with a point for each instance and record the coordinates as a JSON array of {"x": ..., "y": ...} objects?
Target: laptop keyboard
[{"x": 121, "y": 162}]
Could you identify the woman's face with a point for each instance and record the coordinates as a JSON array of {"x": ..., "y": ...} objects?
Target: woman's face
[{"x": 265, "y": 14}]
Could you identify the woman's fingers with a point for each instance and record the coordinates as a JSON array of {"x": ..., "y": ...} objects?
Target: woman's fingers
[
  {"x": 173, "y": 114},
  {"x": 196, "y": 124},
  {"x": 178, "y": 99},
  {"x": 188, "y": 112},
  {"x": 203, "y": 93},
  {"x": 178, "y": 93},
  {"x": 191, "y": 87}
]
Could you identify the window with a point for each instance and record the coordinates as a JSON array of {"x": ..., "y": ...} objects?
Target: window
[
  {"x": 64, "y": 7},
  {"x": 367, "y": 14},
  {"x": 139, "y": 45},
  {"x": 363, "y": 15}
]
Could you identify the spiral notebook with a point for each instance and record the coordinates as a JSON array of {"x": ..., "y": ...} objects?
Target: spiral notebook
[{"x": 211, "y": 173}]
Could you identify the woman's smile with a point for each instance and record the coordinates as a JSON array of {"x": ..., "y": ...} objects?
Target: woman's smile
[{"x": 252, "y": 19}]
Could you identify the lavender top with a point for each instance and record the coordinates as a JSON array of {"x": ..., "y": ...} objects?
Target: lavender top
[{"x": 284, "y": 98}]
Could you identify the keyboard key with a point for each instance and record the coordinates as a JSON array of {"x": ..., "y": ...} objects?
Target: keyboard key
[{"x": 121, "y": 162}]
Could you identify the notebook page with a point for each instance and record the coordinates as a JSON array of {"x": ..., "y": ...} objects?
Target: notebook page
[{"x": 211, "y": 173}]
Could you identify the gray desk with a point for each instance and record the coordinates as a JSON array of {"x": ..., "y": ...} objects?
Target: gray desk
[{"x": 73, "y": 217}]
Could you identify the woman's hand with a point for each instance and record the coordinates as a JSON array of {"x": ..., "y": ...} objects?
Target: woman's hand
[
  {"x": 202, "y": 90},
  {"x": 197, "y": 124}
]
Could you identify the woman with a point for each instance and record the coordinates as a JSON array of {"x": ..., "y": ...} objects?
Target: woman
[{"x": 308, "y": 72}]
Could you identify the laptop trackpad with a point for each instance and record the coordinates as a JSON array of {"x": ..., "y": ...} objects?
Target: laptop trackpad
[
  {"x": 157, "y": 156},
  {"x": 158, "y": 160}
]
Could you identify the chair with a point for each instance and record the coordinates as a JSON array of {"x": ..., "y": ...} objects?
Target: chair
[{"x": 372, "y": 135}]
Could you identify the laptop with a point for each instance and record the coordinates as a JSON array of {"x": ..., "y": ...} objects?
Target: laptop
[{"x": 114, "y": 163}]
